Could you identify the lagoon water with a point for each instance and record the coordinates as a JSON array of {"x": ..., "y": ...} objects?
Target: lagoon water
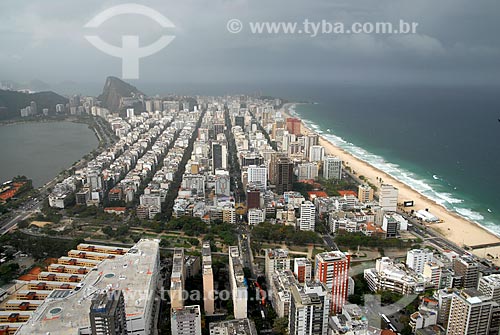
[{"x": 40, "y": 150}]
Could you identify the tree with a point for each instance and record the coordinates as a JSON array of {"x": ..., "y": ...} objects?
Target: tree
[
  {"x": 108, "y": 230},
  {"x": 280, "y": 326},
  {"x": 8, "y": 272},
  {"x": 23, "y": 224}
]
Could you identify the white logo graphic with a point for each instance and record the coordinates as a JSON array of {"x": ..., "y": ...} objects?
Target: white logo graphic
[
  {"x": 130, "y": 52},
  {"x": 234, "y": 26}
]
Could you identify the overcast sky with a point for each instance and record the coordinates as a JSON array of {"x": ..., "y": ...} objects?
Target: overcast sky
[{"x": 457, "y": 42}]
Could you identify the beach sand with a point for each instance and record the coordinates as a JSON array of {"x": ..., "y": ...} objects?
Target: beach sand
[{"x": 453, "y": 227}]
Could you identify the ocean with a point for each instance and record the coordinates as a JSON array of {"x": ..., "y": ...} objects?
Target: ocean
[
  {"x": 442, "y": 142},
  {"x": 40, "y": 150}
]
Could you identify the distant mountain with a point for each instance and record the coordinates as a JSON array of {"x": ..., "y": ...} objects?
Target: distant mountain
[
  {"x": 12, "y": 101},
  {"x": 37, "y": 85},
  {"x": 114, "y": 90},
  {"x": 34, "y": 85}
]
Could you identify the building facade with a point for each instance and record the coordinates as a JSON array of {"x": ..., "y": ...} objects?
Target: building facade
[
  {"x": 332, "y": 168},
  {"x": 332, "y": 269},
  {"x": 309, "y": 309},
  {"x": 107, "y": 314}
]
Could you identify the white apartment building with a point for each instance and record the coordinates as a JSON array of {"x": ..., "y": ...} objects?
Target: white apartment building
[
  {"x": 316, "y": 153},
  {"x": 388, "y": 198},
  {"x": 332, "y": 167},
  {"x": 490, "y": 286},
  {"x": 139, "y": 278},
  {"x": 309, "y": 309},
  {"x": 393, "y": 277},
  {"x": 307, "y": 171},
  {"x": 280, "y": 285},
  {"x": 432, "y": 273},
  {"x": 257, "y": 175},
  {"x": 417, "y": 258},
  {"x": 276, "y": 260},
  {"x": 255, "y": 216},
  {"x": 307, "y": 219},
  {"x": 238, "y": 283},
  {"x": 186, "y": 320}
]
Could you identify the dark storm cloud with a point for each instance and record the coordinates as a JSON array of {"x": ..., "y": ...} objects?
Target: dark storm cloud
[{"x": 456, "y": 40}]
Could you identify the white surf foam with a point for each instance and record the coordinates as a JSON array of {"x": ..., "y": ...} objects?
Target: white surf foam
[{"x": 415, "y": 182}]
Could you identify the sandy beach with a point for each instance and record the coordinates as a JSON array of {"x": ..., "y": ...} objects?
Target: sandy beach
[{"x": 453, "y": 227}]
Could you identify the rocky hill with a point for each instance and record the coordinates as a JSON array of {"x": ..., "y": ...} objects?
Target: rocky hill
[
  {"x": 114, "y": 90},
  {"x": 12, "y": 101}
]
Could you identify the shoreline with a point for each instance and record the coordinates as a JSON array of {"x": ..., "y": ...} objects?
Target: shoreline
[
  {"x": 96, "y": 132},
  {"x": 62, "y": 118},
  {"x": 454, "y": 227}
]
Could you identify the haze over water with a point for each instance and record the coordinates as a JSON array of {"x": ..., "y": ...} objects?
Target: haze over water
[{"x": 40, "y": 150}]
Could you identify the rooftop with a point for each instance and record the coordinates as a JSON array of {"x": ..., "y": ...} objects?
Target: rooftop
[
  {"x": 234, "y": 327},
  {"x": 276, "y": 253},
  {"x": 133, "y": 273},
  {"x": 331, "y": 256}
]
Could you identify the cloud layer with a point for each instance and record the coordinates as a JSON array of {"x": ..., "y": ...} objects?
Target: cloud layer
[{"x": 457, "y": 42}]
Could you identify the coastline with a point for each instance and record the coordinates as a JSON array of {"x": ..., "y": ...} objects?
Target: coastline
[
  {"x": 454, "y": 227},
  {"x": 62, "y": 118},
  {"x": 71, "y": 119}
]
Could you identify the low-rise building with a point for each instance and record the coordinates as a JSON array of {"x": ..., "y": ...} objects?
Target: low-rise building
[
  {"x": 393, "y": 277},
  {"x": 352, "y": 321}
]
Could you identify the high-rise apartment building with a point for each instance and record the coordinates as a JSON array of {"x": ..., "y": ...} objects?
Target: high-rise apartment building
[
  {"x": 253, "y": 199},
  {"x": 293, "y": 125},
  {"x": 365, "y": 193},
  {"x": 208, "y": 279},
  {"x": 310, "y": 140},
  {"x": 332, "y": 269},
  {"x": 120, "y": 286},
  {"x": 284, "y": 175},
  {"x": 309, "y": 309},
  {"x": 177, "y": 279},
  {"x": 490, "y": 286},
  {"x": 316, "y": 153},
  {"x": 473, "y": 314},
  {"x": 388, "y": 198},
  {"x": 275, "y": 260},
  {"x": 467, "y": 269},
  {"x": 219, "y": 156},
  {"x": 107, "y": 314},
  {"x": 416, "y": 259},
  {"x": 433, "y": 272},
  {"x": 302, "y": 269},
  {"x": 257, "y": 176},
  {"x": 238, "y": 283},
  {"x": 186, "y": 320},
  {"x": 332, "y": 167},
  {"x": 307, "y": 171},
  {"x": 307, "y": 219}
]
